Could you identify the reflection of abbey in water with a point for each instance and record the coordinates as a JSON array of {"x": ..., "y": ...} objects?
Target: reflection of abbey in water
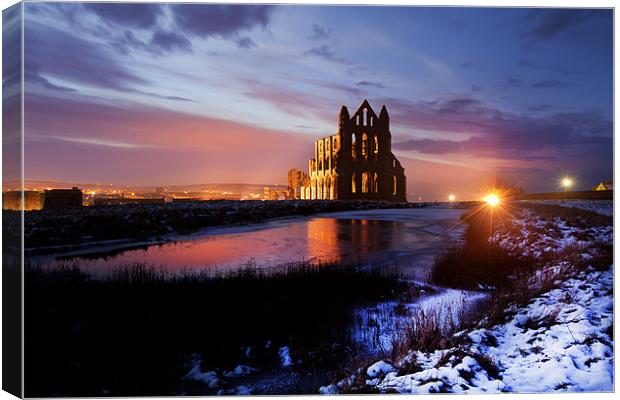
[{"x": 355, "y": 163}]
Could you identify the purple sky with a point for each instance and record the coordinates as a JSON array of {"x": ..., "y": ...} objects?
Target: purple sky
[{"x": 180, "y": 94}]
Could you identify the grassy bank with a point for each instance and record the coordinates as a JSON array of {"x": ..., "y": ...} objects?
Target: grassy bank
[
  {"x": 480, "y": 260},
  {"x": 136, "y": 332}
]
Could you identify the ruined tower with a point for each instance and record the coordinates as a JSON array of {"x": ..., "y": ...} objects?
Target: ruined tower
[{"x": 357, "y": 162}]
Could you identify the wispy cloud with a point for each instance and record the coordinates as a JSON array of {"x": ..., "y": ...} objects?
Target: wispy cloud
[
  {"x": 93, "y": 141},
  {"x": 376, "y": 85},
  {"x": 319, "y": 33},
  {"x": 551, "y": 84},
  {"x": 327, "y": 53}
]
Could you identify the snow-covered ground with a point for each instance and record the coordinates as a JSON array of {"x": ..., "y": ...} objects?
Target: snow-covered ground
[
  {"x": 379, "y": 325},
  {"x": 605, "y": 207},
  {"x": 561, "y": 340}
]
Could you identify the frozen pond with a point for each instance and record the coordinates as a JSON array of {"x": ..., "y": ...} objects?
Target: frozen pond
[{"x": 408, "y": 237}]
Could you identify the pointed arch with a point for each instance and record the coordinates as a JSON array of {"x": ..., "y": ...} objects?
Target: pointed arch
[
  {"x": 365, "y": 182},
  {"x": 375, "y": 144},
  {"x": 364, "y": 145},
  {"x": 353, "y": 146},
  {"x": 375, "y": 183},
  {"x": 395, "y": 188},
  {"x": 353, "y": 185},
  {"x": 365, "y": 116}
]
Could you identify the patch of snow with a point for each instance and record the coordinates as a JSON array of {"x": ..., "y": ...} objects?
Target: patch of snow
[
  {"x": 240, "y": 370},
  {"x": 331, "y": 389},
  {"x": 605, "y": 207},
  {"x": 285, "y": 357},
  {"x": 379, "y": 368},
  {"x": 208, "y": 377}
]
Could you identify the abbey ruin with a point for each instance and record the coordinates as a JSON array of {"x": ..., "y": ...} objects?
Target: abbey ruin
[{"x": 356, "y": 162}]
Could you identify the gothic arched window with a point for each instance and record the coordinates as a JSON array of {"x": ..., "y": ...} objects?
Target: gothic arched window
[
  {"x": 376, "y": 145},
  {"x": 395, "y": 185},
  {"x": 353, "y": 187},
  {"x": 375, "y": 183},
  {"x": 365, "y": 182},
  {"x": 364, "y": 145}
]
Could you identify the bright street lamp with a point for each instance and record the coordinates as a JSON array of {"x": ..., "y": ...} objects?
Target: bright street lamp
[{"x": 567, "y": 182}]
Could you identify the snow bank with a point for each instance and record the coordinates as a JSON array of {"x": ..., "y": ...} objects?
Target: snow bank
[
  {"x": 605, "y": 207},
  {"x": 550, "y": 345},
  {"x": 379, "y": 368},
  {"x": 561, "y": 341}
]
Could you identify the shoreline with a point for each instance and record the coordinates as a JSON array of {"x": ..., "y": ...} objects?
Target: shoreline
[{"x": 51, "y": 229}]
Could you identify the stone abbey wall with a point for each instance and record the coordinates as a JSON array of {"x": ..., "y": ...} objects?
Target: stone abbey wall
[{"x": 357, "y": 162}]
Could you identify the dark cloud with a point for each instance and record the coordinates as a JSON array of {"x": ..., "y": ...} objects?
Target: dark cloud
[
  {"x": 135, "y": 15},
  {"x": 540, "y": 107},
  {"x": 510, "y": 82},
  {"x": 127, "y": 42},
  {"x": 551, "y": 83},
  {"x": 319, "y": 33},
  {"x": 52, "y": 52},
  {"x": 11, "y": 48},
  {"x": 545, "y": 24},
  {"x": 377, "y": 85},
  {"x": 467, "y": 64},
  {"x": 499, "y": 134},
  {"x": 327, "y": 53},
  {"x": 167, "y": 41},
  {"x": 556, "y": 69},
  {"x": 161, "y": 43},
  {"x": 246, "y": 43},
  {"x": 217, "y": 20}
]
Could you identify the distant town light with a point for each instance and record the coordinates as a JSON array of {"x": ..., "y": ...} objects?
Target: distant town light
[
  {"x": 492, "y": 199},
  {"x": 451, "y": 197}
]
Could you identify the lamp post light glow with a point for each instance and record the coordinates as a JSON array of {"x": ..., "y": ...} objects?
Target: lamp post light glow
[
  {"x": 492, "y": 199},
  {"x": 567, "y": 182}
]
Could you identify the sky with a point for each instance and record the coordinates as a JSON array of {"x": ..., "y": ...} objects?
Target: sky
[{"x": 186, "y": 93}]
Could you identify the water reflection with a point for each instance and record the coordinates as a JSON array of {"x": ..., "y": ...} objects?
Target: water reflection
[{"x": 393, "y": 235}]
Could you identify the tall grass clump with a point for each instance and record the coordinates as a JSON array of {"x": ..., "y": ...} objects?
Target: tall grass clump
[
  {"x": 133, "y": 331},
  {"x": 476, "y": 261}
]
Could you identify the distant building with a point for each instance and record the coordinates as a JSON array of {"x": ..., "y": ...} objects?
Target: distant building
[
  {"x": 357, "y": 162},
  {"x": 11, "y": 200},
  {"x": 296, "y": 181},
  {"x": 62, "y": 198},
  {"x": 609, "y": 185},
  {"x": 270, "y": 193}
]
